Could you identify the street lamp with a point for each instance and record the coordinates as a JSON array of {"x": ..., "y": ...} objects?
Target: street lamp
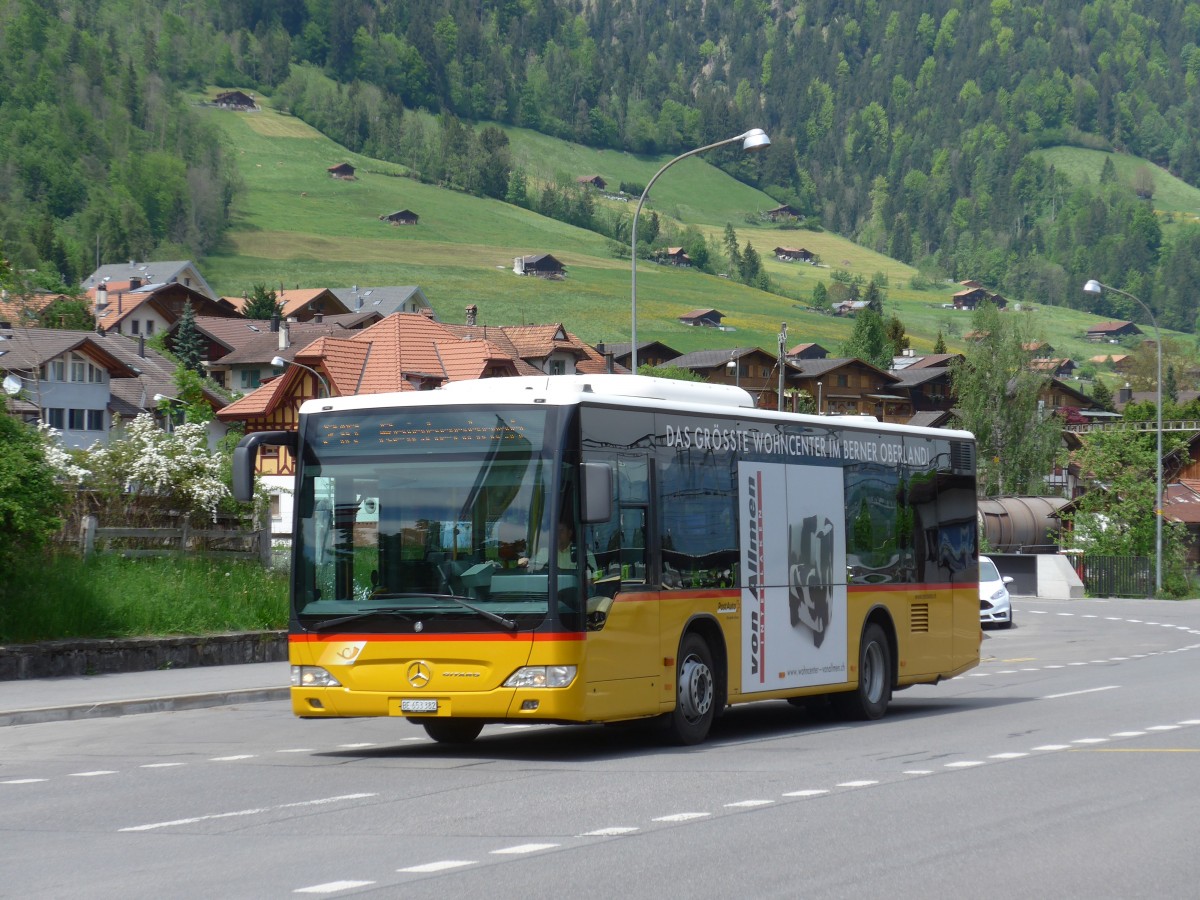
[
  {"x": 1096, "y": 287},
  {"x": 754, "y": 139},
  {"x": 280, "y": 363},
  {"x": 163, "y": 398},
  {"x": 737, "y": 369}
]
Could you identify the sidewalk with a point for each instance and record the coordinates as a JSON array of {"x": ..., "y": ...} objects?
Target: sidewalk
[{"x": 28, "y": 701}]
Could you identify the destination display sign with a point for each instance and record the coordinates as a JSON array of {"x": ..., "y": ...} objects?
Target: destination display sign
[{"x": 427, "y": 431}]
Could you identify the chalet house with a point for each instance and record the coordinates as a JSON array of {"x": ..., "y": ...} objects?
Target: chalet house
[
  {"x": 301, "y": 304},
  {"x": 970, "y": 298},
  {"x": 676, "y": 257},
  {"x": 649, "y": 353},
  {"x": 910, "y": 359},
  {"x": 83, "y": 384},
  {"x": 807, "y": 351},
  {"x": 1120, "y": 362},
  {"x": 401, "y": 217},
  {"x": 537, "y": 349},
  {"x": 145, "y": 310},
  {"x": 750, "y": 368},
  {"x": 238, "y": 352},
  {"x": 385, "y": 300},
  {"x": 847, "y": 386},
  {"x": 794, "y": 254},
  {"x": 783, "y": 213},
  {"x": 850, "y": 307},
  {"x": 236, "y": 100},
  {"x": 707, "y": 318},
  {"x": 133, "y": 275},
  {"x": 1111, "y": 332},
  {"x": 1038, "y": 349},
  {"x": 928, "y": 389},
  {"x": 592, "y": 181},
  {"x": 35, "y": 309},
  {"x": 343, "y": 170},
  {"x": 1056, "y": 368},
  {"x": 543, "y": 265}
]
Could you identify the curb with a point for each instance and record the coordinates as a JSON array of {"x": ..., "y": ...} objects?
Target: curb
[{"x": 144, "y": 705}]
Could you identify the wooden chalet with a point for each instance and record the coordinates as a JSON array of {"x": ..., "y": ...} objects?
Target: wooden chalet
[
  {"x": 794, "y": 254},
  {"x": 807, "y": 351},
  {"x": 542, "y": 265},
  {"x": 750, "y": 368},
  {"x": 970, "y": 298},
  {"x": 848, "y": 386},
  {"x": 594, "y": 181},
  {"x": 1111, "y": 331},
  {"x": 782, "y": 213},
  {"x": 236, "y": 100},
  {"x": 343, "y": 170},
  {"x": 676, "y": 257},
  {"x": 705, "y": 318},
  {"x": 401, "y": 217},
  {"x": 649, "y": 353}
]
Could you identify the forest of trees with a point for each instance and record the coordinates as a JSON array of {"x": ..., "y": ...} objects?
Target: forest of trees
[{"x": 908, "y": 127}]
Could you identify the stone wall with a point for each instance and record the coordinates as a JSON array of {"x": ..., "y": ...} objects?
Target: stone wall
[{"x": 50, "y": 659}]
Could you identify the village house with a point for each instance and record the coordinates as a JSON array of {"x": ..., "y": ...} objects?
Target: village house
[
  {"x": 300, "y": 304},
  {"x": 782, "y": 213},
  {"x": 132, "y": 275},
  {"x": 594, "y": 181},
  {"x": 970, "y": 298},
  {"x": 542, "y": 265},
  {"x": 235, "y": 100},
  {"x": 1111, "y": 332},
  {"x": 704, "y": 318},
  {"x": 750, "y": 368},
  {"x": 794, "y": 254},
  {"x": 676, "y": 257},
  {"x": 386, "y": 300},
  {"x": 401, "y": 217},
  {"x": 649, "y": 353},
  {"x": 847, "y": 386},
  {"x": 344, "y": 171},
  {"x": 807, "y": 351}
]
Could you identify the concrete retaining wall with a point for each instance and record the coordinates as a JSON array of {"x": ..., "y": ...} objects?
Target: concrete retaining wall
[{"x": 96, "y": 657}]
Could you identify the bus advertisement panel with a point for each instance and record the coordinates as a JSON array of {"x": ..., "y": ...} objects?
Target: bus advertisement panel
[{"x": 794, "y": 592}]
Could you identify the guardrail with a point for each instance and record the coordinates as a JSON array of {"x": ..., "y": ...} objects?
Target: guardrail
[{"x": 1176, "y": 425}]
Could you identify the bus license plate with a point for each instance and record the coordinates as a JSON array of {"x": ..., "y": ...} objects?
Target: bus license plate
[{"x": 425, "y": 706}]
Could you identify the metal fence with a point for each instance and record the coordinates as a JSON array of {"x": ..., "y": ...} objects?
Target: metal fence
[{"x": 1117, "y": 576}]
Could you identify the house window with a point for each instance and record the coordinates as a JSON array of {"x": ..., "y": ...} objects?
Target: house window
[
  {"x": 78, "y": 369},
  {"x": 134, "y": 324},
  {"x": 76, "y": 419},
  {"x": 843, "y": 380},
  {"x": 149, "y": 327},
  {"x": 55, "y": 417},
  {"x": 95, "y": 420},
  {"x": 55, "y": 370},
  {"x": 276, "y": 512},
  {"x": 95, "y": 374},
  {"x": 250, "y": 378},
  {"x": 558, "y": 367}
]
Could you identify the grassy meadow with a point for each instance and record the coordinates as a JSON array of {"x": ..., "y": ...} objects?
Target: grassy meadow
[
  {"x": 1178, "y": 199},
  {"x": 294, "y": 226}
]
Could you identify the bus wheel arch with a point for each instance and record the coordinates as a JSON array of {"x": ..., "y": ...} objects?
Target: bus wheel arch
[
  {"x": 876, "y": 671},
  {"x": 701, "y": 684}
]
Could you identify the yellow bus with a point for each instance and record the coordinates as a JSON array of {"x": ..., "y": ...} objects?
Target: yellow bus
[{"x": 595, "y": 549}]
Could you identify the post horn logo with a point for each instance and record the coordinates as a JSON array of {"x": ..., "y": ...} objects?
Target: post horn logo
[{"x": 419, "y": 674}]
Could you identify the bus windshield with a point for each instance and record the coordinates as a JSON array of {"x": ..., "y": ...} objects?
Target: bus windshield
[{"x": 423, "y": 520}]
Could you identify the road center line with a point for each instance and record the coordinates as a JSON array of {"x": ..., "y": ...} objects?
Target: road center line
[
  {"x": 1111, "y": 687},
  {"x": 245, "y": 812}
]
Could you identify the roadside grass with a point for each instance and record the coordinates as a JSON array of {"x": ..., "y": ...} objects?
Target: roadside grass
[{"x": 108, "y": 596}]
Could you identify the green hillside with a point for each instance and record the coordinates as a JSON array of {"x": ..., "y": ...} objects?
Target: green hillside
[
  {"x": 1171, "y": 195},
  {"x": 294, "y": 226}
]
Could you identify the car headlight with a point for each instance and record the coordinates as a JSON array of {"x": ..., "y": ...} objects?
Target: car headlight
[
  {"x": 312, "y": 676},
  {"x": 541, "y": 677},
  {"x": 999, "y": 595}
]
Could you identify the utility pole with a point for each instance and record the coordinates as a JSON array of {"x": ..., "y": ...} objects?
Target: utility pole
[{"x": 782, "y": 360}]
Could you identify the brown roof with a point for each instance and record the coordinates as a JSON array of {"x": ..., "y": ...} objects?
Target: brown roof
[{"x": 1106, "y": 327}]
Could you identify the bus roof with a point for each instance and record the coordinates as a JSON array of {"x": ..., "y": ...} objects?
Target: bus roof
[{"x": 637, "y": 391}]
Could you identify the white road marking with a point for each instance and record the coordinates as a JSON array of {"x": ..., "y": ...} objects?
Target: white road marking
[
  {"x": 332, "y": 887},
  {"x": 964, "y": 764},
  {"x": 298, "y": 750},
  {"x": 1190, "y": 722},
  {"x": 244, "y": 812},
  {"x": 440, "y": 866},
  {"x": 1162, "y": 727},
  {"x": 232, "y": 758},
  {"x": 525, "y": 848},
  {"x": 91, "y": 774},
  {"x": 24, "y": 780},
  {"x": 614, "y": 831},
  {"x": 1110, "y": 687},
  {"x": 682, "y": 817},
  {"x": 918, "y": 771},
  {"x": 1053, "y": 747},
  {"x": 854, "y": 784},
  {"x": 1007, "y": 755},
  {"x": 747, "y": 804},
  {"x": 161, "y": 765},
  {"x": 1090, "y": 741},
  {"x": 359, "y": 746},
  {"x": 809, "y": 793},
  {"x": 1127, "y": 734},
  {"x": 1055, "y": 667}
]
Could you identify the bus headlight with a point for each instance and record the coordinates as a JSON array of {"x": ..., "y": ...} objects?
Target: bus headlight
[
  {"x": 312, "y": 676},
  {"x": 541, "y": 677}
]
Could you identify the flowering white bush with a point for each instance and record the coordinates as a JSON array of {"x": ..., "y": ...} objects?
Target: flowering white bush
[
  {"x": 148, "y": 460},
  {"x": 63, "y": 463}
]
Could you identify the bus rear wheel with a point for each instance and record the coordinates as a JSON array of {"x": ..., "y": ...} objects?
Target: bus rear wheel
[
  {"x": 695, "y": 704},
  {"x": 870, "y": 699},
  {"x": 453, "y": 731}
]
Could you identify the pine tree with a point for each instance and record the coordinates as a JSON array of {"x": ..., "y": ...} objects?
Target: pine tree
[
  {"x": 939, "y": 345},
  {"x": 188, "y": 344},
  {"x": 262, "y": 303}
]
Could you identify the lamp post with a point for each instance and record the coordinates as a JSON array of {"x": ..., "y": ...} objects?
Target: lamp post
[
  {"x": 14, "y": 386},
  {"x": 163, "y": 398},
  {"x": 280, "y": 363},
  {"x": 737, "y": 369},
  {"x": 1095, "y": 287},
  {"x": 754, "y": 139},
  {"x": 820, "y": 385}
]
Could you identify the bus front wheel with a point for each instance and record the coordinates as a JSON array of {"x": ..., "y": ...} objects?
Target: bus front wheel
[
  {"x": 695, "y": 705},
  {"x": 453, "y": 731},
  {"x": 870, "y": 699}
]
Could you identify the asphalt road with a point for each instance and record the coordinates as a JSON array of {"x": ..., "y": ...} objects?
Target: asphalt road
[{"x": 1067, "y": 765}]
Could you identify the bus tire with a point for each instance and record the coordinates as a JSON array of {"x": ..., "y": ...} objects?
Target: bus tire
[
  {"x": 696, "y": 700},
  {"x": 453, "y": 731},
  {"x": 870, "y": 699}
]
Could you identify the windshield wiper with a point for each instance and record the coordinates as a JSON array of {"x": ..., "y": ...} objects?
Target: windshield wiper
[
  {"x": 486, "y": 613},
  {"x": 396, "y": 611}
]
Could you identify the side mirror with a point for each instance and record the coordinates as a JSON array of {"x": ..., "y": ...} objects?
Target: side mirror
[
  {"x": 596, "y": 480},
  {"x": 245, "y": 454}
]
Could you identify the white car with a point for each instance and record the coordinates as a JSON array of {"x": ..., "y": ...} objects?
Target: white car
[{"x": 995, "y": 606}]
